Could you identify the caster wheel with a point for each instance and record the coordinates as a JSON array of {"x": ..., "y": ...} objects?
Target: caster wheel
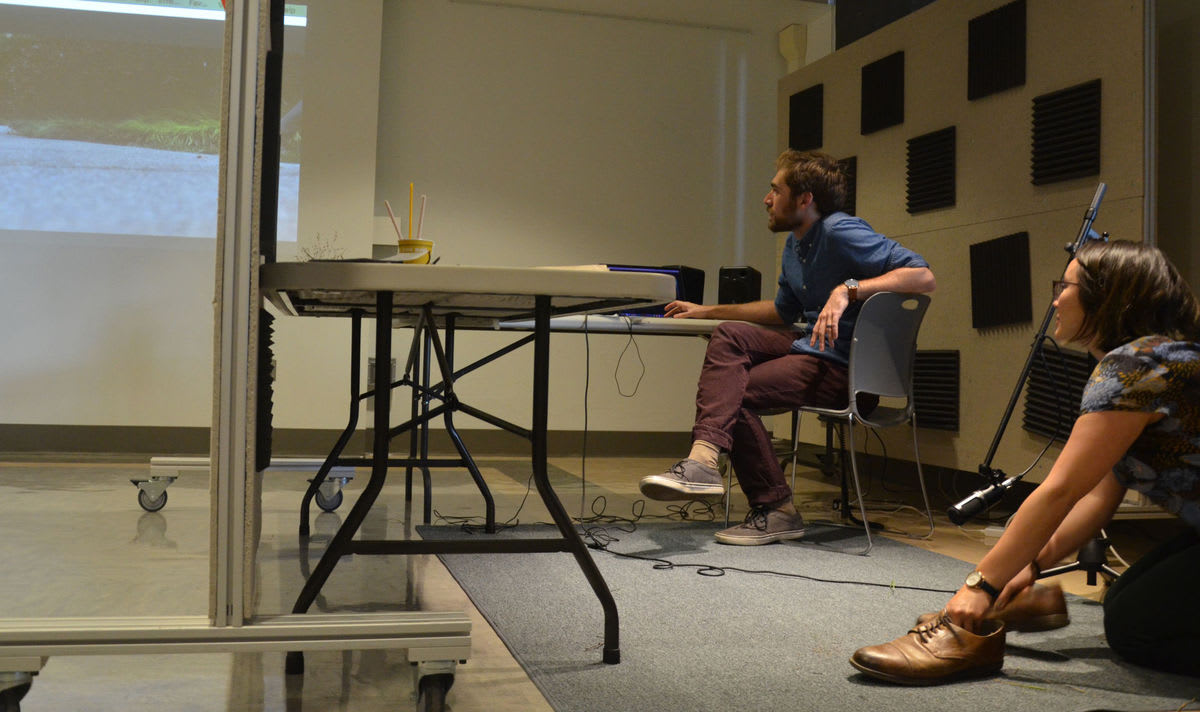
[
  {"x": 152, "y": 505},
  {"x": 431, "y": 692},
  {"x": 329, "y": 504},
  {"x": 10, "y": 699}
]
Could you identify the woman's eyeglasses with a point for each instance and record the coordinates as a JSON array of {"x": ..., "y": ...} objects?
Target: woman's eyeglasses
[{"x": 1058, "y": 285}]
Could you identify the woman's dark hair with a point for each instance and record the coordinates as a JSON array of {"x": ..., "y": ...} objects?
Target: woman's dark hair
[
  {"x": 815, "y": 172},
  {"x": 1129, "y": 290}
]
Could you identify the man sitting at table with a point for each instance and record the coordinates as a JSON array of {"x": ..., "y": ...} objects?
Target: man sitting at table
[{"x": 831, "y": 263}]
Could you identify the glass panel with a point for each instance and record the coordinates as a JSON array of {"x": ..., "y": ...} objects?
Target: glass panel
[{"x": 109, "y": 139}]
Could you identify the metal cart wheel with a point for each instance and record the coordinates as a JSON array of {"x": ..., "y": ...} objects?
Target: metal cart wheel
[
  {"x": 431, "y": 692},
  {"x": 10, "y": 699},
  {"x": 152, "y": 505},
  {"x": 329, "y": 504}
]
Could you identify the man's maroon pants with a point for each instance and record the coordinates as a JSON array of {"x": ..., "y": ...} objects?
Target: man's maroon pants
[{"x": 748, "y": 369}]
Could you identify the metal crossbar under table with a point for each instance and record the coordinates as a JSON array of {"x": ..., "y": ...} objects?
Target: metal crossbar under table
[
  {"x": 424, "y": 295},
  {"x": 417, "y": 377}
]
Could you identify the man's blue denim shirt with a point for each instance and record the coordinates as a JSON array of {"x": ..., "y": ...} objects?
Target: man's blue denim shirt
[{"x": 836, "y": 248}]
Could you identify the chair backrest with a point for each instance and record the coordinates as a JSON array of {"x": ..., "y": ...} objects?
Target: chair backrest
[{"x": 885, "y": 347}]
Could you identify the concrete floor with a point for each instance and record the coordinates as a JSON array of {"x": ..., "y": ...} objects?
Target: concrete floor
[{"x": 75, "y": 543}]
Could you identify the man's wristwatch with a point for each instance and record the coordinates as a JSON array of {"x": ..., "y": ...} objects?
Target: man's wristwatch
[
  {"x": 852, "y": 288},
  {"x": 976, "y": 580}
]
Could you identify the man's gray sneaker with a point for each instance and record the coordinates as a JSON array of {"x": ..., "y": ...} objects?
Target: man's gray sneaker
[
  {"x": 686, "y": 479},
  {"x": 763, "y": 526}
]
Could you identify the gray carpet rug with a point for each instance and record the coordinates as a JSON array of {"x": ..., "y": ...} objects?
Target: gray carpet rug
[{"x": 771, "y": 641}]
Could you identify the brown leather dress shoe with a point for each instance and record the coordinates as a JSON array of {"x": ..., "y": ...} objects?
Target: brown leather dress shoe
[
  {"x": 1036, "y": 608},
  {"x": 934, "y": 653}
]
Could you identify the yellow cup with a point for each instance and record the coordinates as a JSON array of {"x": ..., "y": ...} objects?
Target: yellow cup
[{"x": 415, "y": 252}]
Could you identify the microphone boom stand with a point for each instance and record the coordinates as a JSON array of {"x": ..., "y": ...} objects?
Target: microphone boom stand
[{"x": 1092, "y": 556}]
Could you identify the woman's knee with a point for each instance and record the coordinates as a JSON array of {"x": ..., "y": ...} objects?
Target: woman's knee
[
  {"x": 1120, "y": 630},
  {"x": 1144, "y": 636}
]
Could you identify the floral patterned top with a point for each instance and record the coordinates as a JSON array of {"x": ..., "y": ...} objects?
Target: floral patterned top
[{"x": 1154, "y": 374}]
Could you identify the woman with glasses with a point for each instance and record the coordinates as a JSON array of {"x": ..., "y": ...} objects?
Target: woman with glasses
[{"x": 1139, "y": 427}]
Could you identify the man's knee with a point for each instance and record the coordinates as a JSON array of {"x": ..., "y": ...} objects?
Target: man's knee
[{"x": 732, "y": 331}]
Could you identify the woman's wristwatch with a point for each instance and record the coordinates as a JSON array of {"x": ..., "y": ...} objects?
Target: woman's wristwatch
[{"x": 976, "y": 580}]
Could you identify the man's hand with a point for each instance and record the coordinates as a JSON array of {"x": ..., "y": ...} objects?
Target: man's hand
[
  {"x": 760, "y": 312},
  {"x": 686, "y": 310},
  {"x": 825, "y": 330}
]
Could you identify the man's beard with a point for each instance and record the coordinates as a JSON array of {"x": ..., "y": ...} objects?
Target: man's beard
[{"x": 780, "y": 224}]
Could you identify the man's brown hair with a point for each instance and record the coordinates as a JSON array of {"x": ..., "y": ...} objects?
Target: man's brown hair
[{"x": 815, "y": 172}]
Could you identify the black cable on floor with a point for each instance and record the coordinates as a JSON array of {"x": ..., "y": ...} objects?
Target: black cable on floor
[{"x": 600, "y": 540}]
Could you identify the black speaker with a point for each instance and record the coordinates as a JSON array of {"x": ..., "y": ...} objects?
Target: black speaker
[{"x": 738, "y": 285}]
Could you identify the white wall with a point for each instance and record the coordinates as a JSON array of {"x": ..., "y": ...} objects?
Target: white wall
[
  {"x": 553, "y": 132},
  {"x": 585, "y": 132}
]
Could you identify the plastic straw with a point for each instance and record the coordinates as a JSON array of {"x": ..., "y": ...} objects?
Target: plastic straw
[
  {"x": 421, "y": 217},
  {"x": 399, "y": 235},
  {"x": 410, "y": 202}
]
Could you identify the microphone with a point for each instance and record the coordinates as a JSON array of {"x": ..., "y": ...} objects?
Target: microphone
[{"x": 979, "y": 501}]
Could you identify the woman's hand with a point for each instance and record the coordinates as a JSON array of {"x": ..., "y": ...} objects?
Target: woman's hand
[
  {"x": 968, "y": 608},
  {"x": 1024, "y": 579}
]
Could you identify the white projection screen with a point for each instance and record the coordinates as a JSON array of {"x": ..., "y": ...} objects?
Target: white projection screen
[{"x": 109, "y": 117}]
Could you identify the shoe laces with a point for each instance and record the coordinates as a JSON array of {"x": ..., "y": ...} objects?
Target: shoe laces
[
  {"x": 678, "y": 470},
  {"x": 756, "y": 518},
  {"x": 926, "y": 631}
]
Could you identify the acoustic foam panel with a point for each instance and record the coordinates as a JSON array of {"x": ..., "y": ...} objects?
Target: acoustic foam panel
[
  {"x": 882, "y": 94},
  {"x": 806, "y": 117},
  {"x": 996, "y": 51},
  {"x": 850, "y": 170},
  {"x": 930, "y": 174},
  {"x": 1054, "y": 390},
  {"x": 856, "y": 19},
  {"x": 1066, "y": 134},
  {"x": 1000, "y": 282},
  {"x": 936, "y": 389}
]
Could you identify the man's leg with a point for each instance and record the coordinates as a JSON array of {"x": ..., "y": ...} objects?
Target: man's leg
[
  {"x": 733, "y": 350},
  {"x": 785, "y": 382},
  {"x": 789, "y": 382}
]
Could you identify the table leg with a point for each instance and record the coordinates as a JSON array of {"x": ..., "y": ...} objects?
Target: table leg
[
  {"x": 348, "y": 432},
  {"x": 426, "y": 480},
  {"x": 340, "y": 545},
  {"x": 445, "y": 359},
  {"x": 541, "y": 394}
]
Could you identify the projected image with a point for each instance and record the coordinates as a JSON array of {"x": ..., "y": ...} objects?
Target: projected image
[{"x": 110, "y": 116}]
